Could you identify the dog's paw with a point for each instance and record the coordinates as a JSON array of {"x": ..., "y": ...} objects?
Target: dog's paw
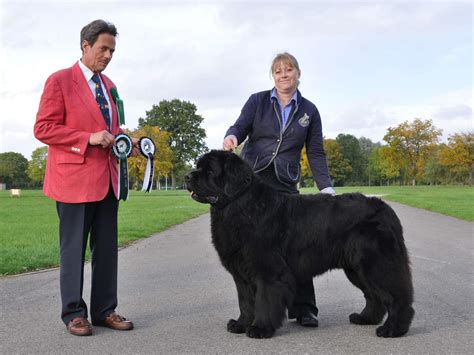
[
  {"x": 235, "y": 327},
  {"x": 385, "y": 331},
  {"x": 356, "y": 318},
  {"x": 259, "y": 333}
]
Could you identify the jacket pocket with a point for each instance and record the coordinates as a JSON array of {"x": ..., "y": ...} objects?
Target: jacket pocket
[
  {"x": 70, "y": 159},
  {"x": 287, "y": 172},
  {"x": 293, "y": 172},
  {"x": 255, "y": 164}
]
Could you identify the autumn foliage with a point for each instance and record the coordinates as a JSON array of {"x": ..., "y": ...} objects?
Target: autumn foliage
[{"x": 412, "y": 154}]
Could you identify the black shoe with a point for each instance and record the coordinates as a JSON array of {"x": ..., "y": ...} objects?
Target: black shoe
[{"x": 308, "y": 319}]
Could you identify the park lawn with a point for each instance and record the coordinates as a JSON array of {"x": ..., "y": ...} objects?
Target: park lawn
[
  {"x": 29, "y": 225},
  {"x": 455, "y": 201}
]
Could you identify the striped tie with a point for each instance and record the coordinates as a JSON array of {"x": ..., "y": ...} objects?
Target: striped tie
[{"x": 101, "y": 100}]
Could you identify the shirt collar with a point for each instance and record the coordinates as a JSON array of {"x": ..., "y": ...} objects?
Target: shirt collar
[
  {"x": 86, "y": 71},
  {"x": 274, "y": 96}
]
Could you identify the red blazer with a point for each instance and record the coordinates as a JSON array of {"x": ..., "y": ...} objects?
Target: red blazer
[{"x": 68, "y": 113}]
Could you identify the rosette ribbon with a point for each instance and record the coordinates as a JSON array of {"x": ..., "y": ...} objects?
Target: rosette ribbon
[
  {"x": 122, "y": 150},
  {"x": 147, "y": 148},
  {"x": 119, "y": 105}
]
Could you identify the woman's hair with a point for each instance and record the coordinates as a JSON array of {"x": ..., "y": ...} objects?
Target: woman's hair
[
  {"x": 91, "y": 32},
  {"x": 285, "y": 58}
]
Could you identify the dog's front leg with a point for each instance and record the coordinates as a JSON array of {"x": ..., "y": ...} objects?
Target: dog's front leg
[
  {"x": 246, "y": 295},
  {"x": 270, "y": 307}
]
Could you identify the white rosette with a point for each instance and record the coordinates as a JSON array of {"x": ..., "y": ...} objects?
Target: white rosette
[{"x": 147, "y": 148}]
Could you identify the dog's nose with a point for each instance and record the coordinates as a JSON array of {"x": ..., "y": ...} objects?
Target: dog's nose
[{"x": 187, "y": 178}]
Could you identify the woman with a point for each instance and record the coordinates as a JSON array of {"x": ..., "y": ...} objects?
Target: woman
[{"x": 278, "y": 123}]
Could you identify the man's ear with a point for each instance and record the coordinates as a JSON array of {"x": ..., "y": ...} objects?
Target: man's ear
[{"x": 84, "y": 44}]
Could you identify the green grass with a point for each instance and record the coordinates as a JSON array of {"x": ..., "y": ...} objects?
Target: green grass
[
  {"x": 455, "y": 201},
  {"x": 29, "y": 225}
]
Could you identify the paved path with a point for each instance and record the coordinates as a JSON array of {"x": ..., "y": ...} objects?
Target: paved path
[{"x": 180, "y": 298}]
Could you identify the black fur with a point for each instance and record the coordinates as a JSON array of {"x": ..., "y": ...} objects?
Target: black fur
[{"x": 268, "y": 241}]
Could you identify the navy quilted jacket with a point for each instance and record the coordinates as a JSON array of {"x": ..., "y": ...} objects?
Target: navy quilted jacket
[{"x": 260, "y": 121}]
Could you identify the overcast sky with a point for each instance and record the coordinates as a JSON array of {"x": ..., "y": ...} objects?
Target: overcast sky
[{"x": 367, "y": 65}]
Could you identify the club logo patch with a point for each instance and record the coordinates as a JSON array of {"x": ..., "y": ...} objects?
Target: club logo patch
[{"x": 304, "y": 121}]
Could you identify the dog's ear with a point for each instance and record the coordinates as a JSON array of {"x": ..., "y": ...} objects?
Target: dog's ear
[
  {"x": 238, "y": 176},
  {"x": 215, "y": 167}
]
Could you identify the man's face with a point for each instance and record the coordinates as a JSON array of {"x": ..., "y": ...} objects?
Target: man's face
[{"x": 98, "y": 56}]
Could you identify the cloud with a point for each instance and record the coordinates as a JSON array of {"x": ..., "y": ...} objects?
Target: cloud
[
  {"x": 458, "y": 111},
  {"x": 451, "y": 112},
  {"x": 366, "y": 65}
]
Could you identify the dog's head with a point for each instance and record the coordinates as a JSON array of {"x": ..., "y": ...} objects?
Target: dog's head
[{"x": 219, "y": 177}]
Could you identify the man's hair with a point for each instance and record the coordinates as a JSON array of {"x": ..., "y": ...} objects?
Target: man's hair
[{"x": 91, "y": 31}]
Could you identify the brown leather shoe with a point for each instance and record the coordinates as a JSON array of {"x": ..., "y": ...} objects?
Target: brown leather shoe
[
  {"x": 79, "y": 326},
  {"x": 117, "y": 322}
]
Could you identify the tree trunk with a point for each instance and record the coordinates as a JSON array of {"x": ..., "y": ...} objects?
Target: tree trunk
[{"x": 173, "y": 181}]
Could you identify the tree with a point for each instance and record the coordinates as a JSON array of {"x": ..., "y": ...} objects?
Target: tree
[
  {"x": 351, "y": 150},
  {"x": 382, "y": 165},
  {"x": 306, "y": 173},
  {"x": 411, "y": 143},
  {"x": 305, "y": 169},
  {"x": 13, "y": 168},
  {"x": 436, "y": 173},
  {"x": 162, "y": 159},
  {"x": 374, "y": 169},
  {"x": 37, "y": 165},
  {"x": 183, "y": 124},
  {"x": 366, "y": 148},
  {"x": 339, "y": 167},
  {"x": 458, "y": 155}
]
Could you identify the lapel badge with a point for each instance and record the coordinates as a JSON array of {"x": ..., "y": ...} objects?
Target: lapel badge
[{"x": 304, "y": 121}]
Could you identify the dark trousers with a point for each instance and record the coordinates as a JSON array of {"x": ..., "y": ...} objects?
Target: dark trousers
[
  {"x": 305, "y": 300},
  {"x": 76, "y": 222}
]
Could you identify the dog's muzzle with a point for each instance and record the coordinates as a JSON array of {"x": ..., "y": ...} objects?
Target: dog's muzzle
[{"x": 204, "y": 199}]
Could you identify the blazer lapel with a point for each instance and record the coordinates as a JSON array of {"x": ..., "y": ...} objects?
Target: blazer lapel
[{"x": 81, "y": 87}]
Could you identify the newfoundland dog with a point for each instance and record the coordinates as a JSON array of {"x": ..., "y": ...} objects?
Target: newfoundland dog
[{"x": 269, "y": 241}]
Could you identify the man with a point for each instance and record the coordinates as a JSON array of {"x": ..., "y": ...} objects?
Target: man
[{"x": 78, "y": 121}]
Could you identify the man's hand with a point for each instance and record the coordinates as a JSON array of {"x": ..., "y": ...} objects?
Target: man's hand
[
  {"x": 230, "y": 142},
  {"x": 135, "y": 148},
  {"x": 103, "y": 138}
]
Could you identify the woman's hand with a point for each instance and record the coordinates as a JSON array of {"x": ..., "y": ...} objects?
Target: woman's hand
[{"x": 230, "y": 143}]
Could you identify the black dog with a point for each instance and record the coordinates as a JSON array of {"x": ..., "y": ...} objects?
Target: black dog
[{"x": 268, "y": 241}]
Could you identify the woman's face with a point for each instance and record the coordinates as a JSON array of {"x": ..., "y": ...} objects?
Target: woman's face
[{"x": 286, "y": 77}]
